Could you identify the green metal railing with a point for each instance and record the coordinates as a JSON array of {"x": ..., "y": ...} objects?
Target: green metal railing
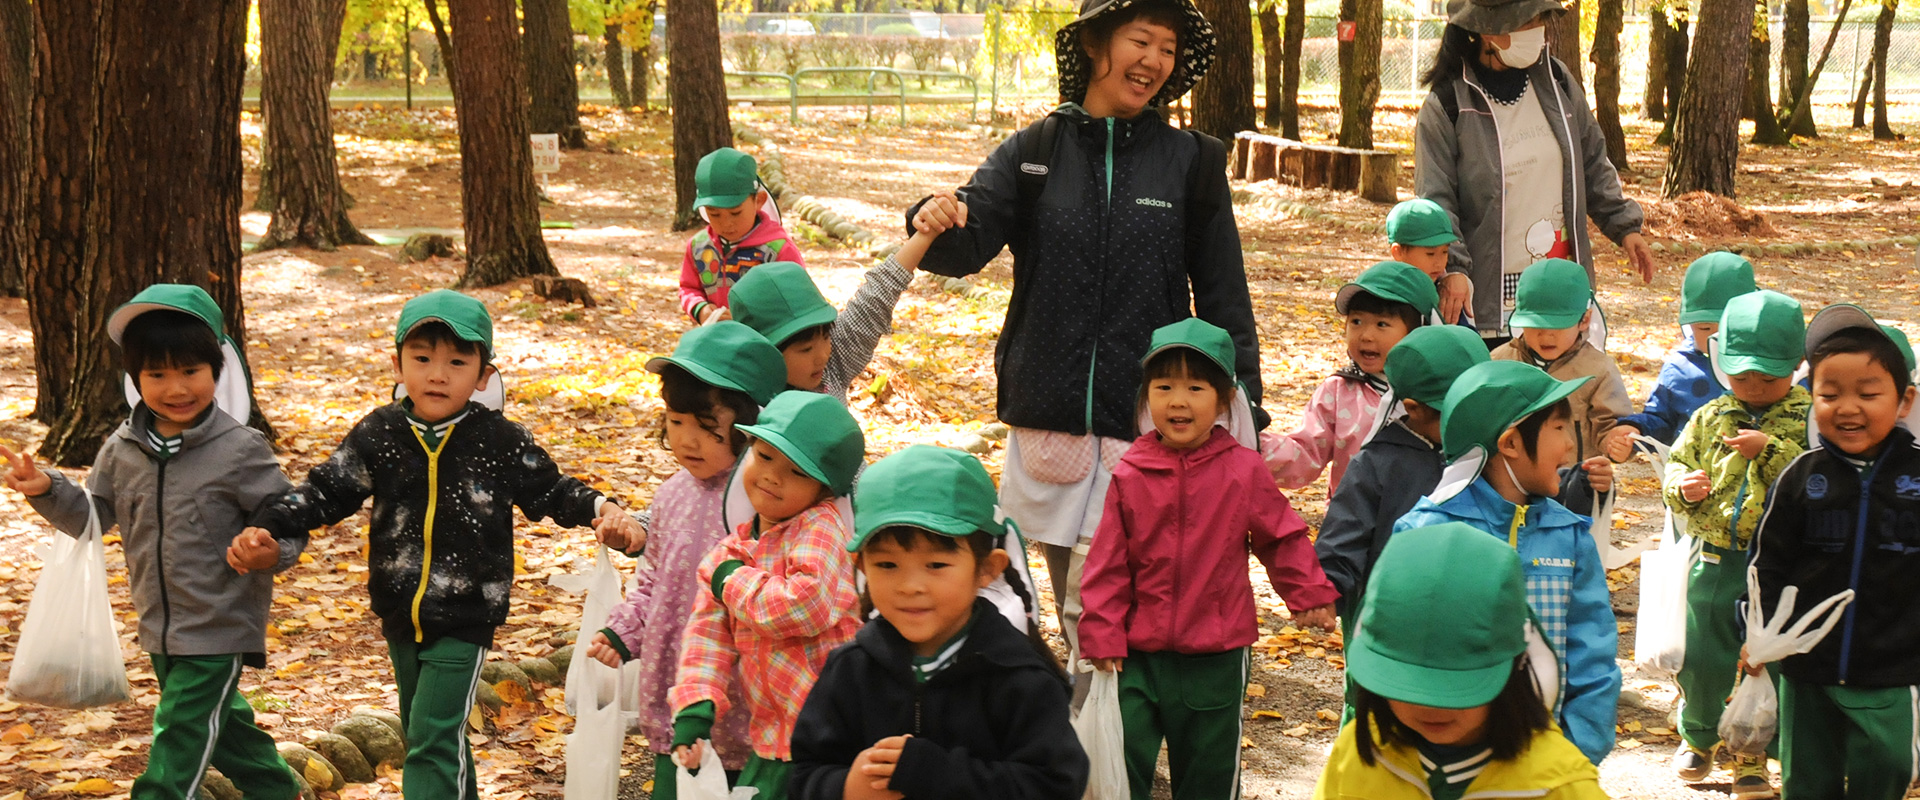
[{"x": 873, "y": 74}]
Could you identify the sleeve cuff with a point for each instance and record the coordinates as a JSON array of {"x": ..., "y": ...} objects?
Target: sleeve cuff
[
  {"x": 720, "y": 575},
  {"x": 613, "y": 640},
  {"x": 693, "y": 723}
]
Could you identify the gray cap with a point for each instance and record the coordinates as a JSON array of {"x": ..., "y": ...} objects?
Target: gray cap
[{"x": 1497, "y": 17}]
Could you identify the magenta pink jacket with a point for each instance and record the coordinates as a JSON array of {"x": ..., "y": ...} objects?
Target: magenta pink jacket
[{"x": 1168, "y": 567}]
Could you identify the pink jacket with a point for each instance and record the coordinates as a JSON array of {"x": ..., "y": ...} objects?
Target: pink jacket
[
  {"x": 710, "y": 267},
  {"x": 1337, "y": 422},
  {"x": 1168, "y": 568}
]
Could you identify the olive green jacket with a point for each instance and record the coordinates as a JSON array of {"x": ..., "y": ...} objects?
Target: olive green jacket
[{"x": 1733, "y": 507}]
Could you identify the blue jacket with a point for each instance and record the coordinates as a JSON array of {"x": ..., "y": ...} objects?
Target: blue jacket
[
  {"x": 1685, "y": 384},
  {"x": 1567, "y": 588}
]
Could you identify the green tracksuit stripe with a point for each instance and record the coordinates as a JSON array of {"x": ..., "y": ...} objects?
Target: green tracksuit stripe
[
  {"x": 1196, "y": 704},
  {"x": 203, "y": 721},
  {"x": 437, "y": 682},
  {"x": 1848, "y": 742},
  {"x": 214, "y": 716}
]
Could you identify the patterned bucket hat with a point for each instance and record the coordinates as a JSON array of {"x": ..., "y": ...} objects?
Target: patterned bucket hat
[{"x": 1076, "y": 67}]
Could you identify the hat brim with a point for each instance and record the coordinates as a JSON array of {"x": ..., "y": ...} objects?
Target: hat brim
[
  {"x": 466, "y": 334},
  {"x": 799, "y": 457},
  {"x": 1699, "y": 315},
  {"x": 779, "y": 334},
  {"x": 1434, "y": 240},
  {"x": 122, "y": 316},
  {"x": 1194, "y": 59},
  {"x": 1775, "y": 367},
  {"x": 1498, "y": 20},
  {"x": 1421, "y": 685},
  {"x": 924, "y": 520},
  {"x": 1545, "y": 322},
  {"x": 1226, "y": 368},
  {"x": 721, "y": 200},
  {"x": 1834, "y": 319},
  {"x": 707, "y": 376}
]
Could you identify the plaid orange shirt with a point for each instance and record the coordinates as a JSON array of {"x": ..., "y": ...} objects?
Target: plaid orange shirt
[{"x": 790, "y": 605}]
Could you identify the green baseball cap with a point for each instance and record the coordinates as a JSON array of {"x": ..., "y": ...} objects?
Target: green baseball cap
[
  {"x": 1423, "y": 365},
  {"x": 729, "y": 355},
  {"x": 1553, "y": 295},
  {"x": 725, "y": 178},
  {"x": 1763, "y": 332},
  {"x": 932, "y": 488},
  {"x": 1711, "y": 281},
  {"x": 1211, "y": 340},
  {"x": 1420, "y": 223},
  {"x": 1488, "y": 399},
  {"x": 1841, "y": 316},
  {"x": 1394, "y": 282},
  {"x": 1398, "y": 652},
  {"x": 779, "y": 299},
  {"x": 184, "y": 297},
  {"x": 817, "y": 433},
  {"x": 466, "y": 316}
]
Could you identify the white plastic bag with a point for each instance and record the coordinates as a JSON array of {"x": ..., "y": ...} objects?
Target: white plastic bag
[
  {"x": 1660, "y": 625},
  {"x": 1753, "y": 713},
  {"x": 593, "y": 748},
  {"x": 69, "y": 654},
  {"x": 602, "y": 586},
  {"x": 1103, "y": 736},
  {"x": 711, "y": 783}
]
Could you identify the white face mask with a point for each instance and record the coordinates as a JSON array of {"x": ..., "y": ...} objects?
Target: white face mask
[{"x": 1523, "y": 47}]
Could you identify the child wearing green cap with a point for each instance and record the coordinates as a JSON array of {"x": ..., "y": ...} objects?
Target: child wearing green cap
[
  {"x": 1508, "y": 428},
  {"x": 184, "y": 469},
  {"x": 1553, "y": 312},
  {"x": 743, "y": 231},
  {"x": 1419, "y": 233},
  {"x": 780, "y": 593},
  {"x": 1380, "y": 306},
  {"x": 1687, "y": 380},
  {"x": 1165, "y": 595},
  {"x": 1454, "y": 710},
  {"x": 715, "y": 382},
  {"x": 941, "y": 696},
  {"x": 444, "y": 473},
  {"x": 1842, "y": 517},
  {"x": 1720, "y": 475}
]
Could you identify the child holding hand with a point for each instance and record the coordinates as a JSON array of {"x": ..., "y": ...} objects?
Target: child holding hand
[
  {"x": 740, "y": 234},
  {"x": 1167, "y": 600},
  {"x": 780, "y": 593},
  {"x": 1687, "y": 380}
]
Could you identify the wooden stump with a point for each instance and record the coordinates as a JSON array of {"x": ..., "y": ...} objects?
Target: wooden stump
[
  {"x": 1318, "y": 171},
  {"x": 1242, "y": 150},
  {"x": 1265, "y": 160},
  {"x": 1380, "y": 177}
]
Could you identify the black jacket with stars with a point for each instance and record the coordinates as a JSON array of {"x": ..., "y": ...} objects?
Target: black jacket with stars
[{"x": 440, "y": 544}]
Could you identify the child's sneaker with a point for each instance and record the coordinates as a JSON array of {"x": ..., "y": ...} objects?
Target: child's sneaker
[
  {"x": 1751, "y": 779},
  {"x": 1692, "y": 765}
]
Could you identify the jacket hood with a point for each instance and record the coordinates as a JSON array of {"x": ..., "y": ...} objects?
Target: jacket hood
[
  {"x": 993, "y": 643},
  {"x": 214, "y": 424},
  {"x": 1397, "y": 434},
  {"x": 1480, "y": 502},
  {"x": 1148, "y": 453}
]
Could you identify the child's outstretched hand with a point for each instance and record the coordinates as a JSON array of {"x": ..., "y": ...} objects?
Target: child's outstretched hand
[
  {"x": 1748, "y": 444},
  {"x": 254, "y": 549},
  {"x": 1320, "y": 618},
  {"x": 1108, "y": 664},
  {"x": 1695, "y": 486},
  {"x": 873, "y": 769},
  {"x": 23, "y": 476},
  {"x": 1619, "y": 443},
  {"x": 1599, "y": 473},
  {"x": 601, "y": 650},
  {"x": 617, "y": 530}
]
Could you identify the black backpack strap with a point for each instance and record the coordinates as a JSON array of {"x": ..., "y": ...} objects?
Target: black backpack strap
[
  {"x": 1035, "y": 143},
  {"x": 1204, "y": 182},
  {"x": 1450, "y": 100}
]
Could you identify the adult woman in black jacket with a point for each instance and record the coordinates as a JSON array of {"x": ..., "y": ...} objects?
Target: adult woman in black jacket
[{"x": 1104, "y": 253}]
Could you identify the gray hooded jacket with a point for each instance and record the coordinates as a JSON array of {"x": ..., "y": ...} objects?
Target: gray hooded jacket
[
  {"x": 1457, "y": 164},
  {"x": 177, "y": 516}
]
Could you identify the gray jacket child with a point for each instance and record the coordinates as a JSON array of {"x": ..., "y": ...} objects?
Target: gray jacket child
[{"x": 177, "y": 515}]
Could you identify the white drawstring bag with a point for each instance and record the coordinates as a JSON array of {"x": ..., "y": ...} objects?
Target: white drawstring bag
[
  {"x": 711, "y": 783},
  {"x": 1102, "y": 735},
  {"x": 1660, "y": 626},
  {"x": 593, "y": 748},
  {"x": 69, "y": 653},
  {"x": 601, "y": 584},
  {"x": 1753, "y": 713}
]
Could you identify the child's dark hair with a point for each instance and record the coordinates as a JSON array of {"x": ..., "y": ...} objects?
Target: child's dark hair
[
  {"x": 804, "y": 335},
  {"x": 981, "y": 544},
  {"x": 1513, "y": 718},
  {"x": 686, "y": 394},
  {"x": 1530, "y": 427},
  {"x": 1186, "y": 362},
  {"x": 1880, "y": 349},
  {"x": 162, "y": 338},
  {"x": 1369, "y": 303},
  {"x": 434, "y": 333}
]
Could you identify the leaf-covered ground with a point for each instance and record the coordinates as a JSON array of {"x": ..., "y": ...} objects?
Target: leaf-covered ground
[{"x": 321, "y": 340}]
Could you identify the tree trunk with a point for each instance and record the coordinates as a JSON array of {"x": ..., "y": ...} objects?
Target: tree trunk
[
  {"x": 499, "y": 205},
  {"x": 1706, "y": 132},
  {"x": 1608, "y": 19},
  {"x": 1270, "y": 49},
  {"x": 1359, "y": 73},
  {"x": 643, "y": 56},
  {"x": 296, "y": 68},
  {"x": 1802, "y": 118},
  {"x": 1223, "y": 100},
  {"x": 1678, "y": 45},
  {"x": 548, "y": 46},
  {"x": 616, "y": 59},
  {"x": 1295, "y": 32},
  {"x": 1796, "y": 43},
  {"x": 1860, "y": 98},
  {"x": 16, "y": 101},
  {"x": 1882, "y": 39},
  {"x": 1563, "y": 40},
  {"x": 1759, "y": 103},
  {"x": 1653, "y": 102},
  {"x": 697, "y": 88},
  {"x": 446, "y": 46},
  {"x": 123, "y": 202}
]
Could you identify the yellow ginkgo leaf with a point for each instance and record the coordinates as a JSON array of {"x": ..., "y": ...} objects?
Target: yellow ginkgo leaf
[
  {"x": 317, "y": 774},
  {"x": 95, "y": 786}
]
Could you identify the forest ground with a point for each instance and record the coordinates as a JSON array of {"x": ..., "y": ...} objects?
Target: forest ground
[{"x": 321, "y": 339}]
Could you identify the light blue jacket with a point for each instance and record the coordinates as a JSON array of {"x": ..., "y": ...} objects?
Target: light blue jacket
[{"x": 1567, "y": 587}]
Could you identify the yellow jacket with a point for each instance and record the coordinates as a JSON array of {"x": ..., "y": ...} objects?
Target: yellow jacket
[{"x": 1551, "y": 767}]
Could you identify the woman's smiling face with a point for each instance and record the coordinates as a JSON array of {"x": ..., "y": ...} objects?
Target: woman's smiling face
[{"x": 1130, "y": 70}]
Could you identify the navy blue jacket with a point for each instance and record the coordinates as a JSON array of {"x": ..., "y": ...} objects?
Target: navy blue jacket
[{"x": 1685, "y": 384}]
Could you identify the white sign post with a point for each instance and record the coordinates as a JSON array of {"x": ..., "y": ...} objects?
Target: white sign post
[{"x": 546, "y": 157}]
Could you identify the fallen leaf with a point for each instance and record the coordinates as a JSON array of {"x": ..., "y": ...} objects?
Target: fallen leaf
[
  {"x": 18, "y": 734},
  {"x": 1297, "y": 731},
  {"x": 1266, "y": 714},
  {"x": 317, "y": 774},
  {"x": 1256, "y": 690},
  {"x": 1326, "y": 715},
  {"x": 95, "y": 786}
]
